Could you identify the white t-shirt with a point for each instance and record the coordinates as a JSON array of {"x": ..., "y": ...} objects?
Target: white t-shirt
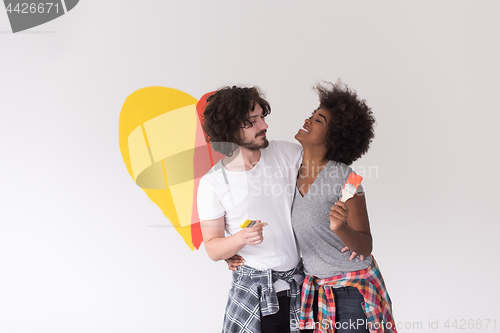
[{"x": 263, "y": 193}]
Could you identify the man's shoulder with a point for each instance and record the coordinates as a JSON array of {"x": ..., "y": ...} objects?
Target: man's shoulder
[
  {"x": 214, "y": 175},
  {"x": 283, "y": 144},
  {"x": 284, "y": 147}
]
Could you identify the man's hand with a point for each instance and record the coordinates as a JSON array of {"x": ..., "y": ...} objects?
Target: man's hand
[
  {"x": 338, "y": 215},
  {"x": 234, "y": 262},
  {"x": 353, "y": 255},
  {"x": 253, "y": 235}
]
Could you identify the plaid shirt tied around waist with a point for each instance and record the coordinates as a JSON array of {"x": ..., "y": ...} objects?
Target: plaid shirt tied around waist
[
  {"x": 253, "y": 293},
  {"x": 377, "y": 303}
]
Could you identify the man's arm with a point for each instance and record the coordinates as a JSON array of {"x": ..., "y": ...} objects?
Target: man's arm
[{"x": 219, "y": 247}]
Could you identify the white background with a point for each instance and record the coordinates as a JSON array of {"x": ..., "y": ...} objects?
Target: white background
[{"x": 77, "y": 250}]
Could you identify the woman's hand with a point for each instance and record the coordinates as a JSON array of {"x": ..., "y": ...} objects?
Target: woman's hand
[
  {"x": 338, "y": 215},
  {"x": 353, "y": 254},
  {"x": 234, "y": 262},
  {"x": 349, "y": 221}
]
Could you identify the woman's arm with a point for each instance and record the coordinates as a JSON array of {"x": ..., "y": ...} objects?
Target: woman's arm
[
  {"x": 234, "y": 262},
  {"x": 356, "y": 233}
]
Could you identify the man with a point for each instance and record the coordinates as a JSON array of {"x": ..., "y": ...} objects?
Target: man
[{"x": 255, "y": 181}]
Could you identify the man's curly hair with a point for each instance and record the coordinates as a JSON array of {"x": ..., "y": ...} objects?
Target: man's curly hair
[
  {"x": 226, "y": 112},
  {"x": 350, "y": 130}
]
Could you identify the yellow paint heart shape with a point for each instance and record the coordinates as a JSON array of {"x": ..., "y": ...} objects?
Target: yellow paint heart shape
[{"x": 164, "y": 149}]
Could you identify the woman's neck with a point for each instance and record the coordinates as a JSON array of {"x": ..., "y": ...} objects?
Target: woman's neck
[
  {"x": 312, "y": 163},
  {"x": 313, "y": 157}
]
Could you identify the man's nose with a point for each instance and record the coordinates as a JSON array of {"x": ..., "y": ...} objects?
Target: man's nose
[{"x": 262, "y": 124}]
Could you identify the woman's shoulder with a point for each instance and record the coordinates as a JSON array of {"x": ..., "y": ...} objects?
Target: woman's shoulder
[
  {"x": 338, "y": 172},
  {"x": 339, "y": 168}
]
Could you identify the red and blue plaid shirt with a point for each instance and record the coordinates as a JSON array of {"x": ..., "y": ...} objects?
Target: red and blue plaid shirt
[{"x": 377, "y": 305}]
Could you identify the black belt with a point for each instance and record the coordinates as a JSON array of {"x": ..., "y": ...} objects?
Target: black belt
[{"x": 283, "y": 293}]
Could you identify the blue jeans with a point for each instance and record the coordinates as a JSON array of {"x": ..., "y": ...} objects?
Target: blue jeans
[{"x": 349, "y": 315}]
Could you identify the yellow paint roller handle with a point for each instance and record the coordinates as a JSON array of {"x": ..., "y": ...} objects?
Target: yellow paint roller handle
[{"x": 251, "y": 223}]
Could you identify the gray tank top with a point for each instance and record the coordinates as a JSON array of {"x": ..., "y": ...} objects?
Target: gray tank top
[{"x": 320, "y": 247}]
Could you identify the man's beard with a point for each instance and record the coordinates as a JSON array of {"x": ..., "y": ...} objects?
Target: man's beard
[{"x": 252, "y": 145}]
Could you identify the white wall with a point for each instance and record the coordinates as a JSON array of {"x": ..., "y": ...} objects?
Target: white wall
[{"x": 77, "y": 253}]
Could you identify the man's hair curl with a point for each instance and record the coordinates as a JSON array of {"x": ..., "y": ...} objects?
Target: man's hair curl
[{"x": 226, "y": 112}]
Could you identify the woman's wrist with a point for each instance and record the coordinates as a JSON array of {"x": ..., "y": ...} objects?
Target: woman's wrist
[{"x": 339, "y": 228}]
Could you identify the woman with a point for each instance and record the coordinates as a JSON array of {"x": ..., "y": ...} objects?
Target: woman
[
  {"x": 337, "y": 134},
  {"x": 349, "y": 292}
]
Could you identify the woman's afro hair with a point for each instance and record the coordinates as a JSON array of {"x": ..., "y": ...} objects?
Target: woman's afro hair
[{"x": 350, "y": 130}]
